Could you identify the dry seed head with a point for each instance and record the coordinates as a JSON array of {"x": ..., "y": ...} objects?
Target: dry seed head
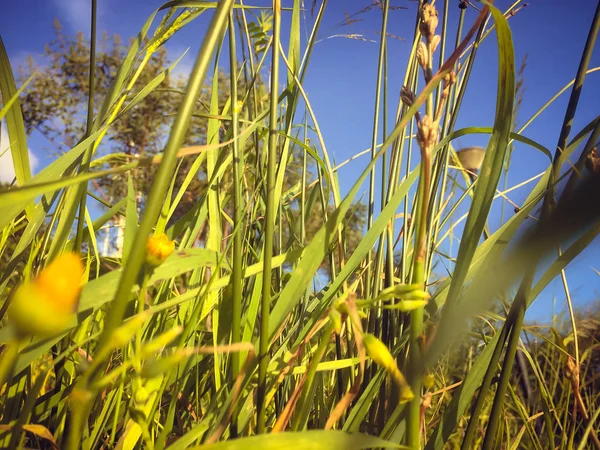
[
  {"x": 427, "y": 133},
  {"x": 423, "y": 55},
  {"x": 429, "y": 21},
  {"x": 435, "y": 41},
  {"x": 449, "y": 79},
  {"x": 571, "y": 370},
  {"x": 426, "y": 400},
  {"x": 407, "y": 96},
  {"x": 592, "y": 161}
]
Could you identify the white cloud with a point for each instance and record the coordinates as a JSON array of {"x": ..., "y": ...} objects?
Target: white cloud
[
  {"x": 7, "y": 171},
  {"x": 185, "y": 66},
  {"x": 76, "y": 13}
]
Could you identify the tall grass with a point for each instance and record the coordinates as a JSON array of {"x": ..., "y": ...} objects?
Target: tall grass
[{"x": 231, "y": 343}]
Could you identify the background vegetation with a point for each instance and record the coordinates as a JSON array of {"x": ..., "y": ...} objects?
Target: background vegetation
[{"x": 289, "y": 313}]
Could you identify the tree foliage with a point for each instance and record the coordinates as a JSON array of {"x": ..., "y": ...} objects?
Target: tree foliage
[{"x": 58, "y": 93}]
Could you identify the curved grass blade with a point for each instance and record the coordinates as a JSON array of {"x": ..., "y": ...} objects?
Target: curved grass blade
[
  {"x": 14, "y": 120},
  {"x": 493, "y": 162},
  {"x": 305, "y": 440}
]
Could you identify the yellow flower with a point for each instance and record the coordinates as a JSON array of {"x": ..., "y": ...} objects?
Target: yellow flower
[
  {"x": 44, "y": 305},
  {"x": 238, "y": 106},
  {"x": 158, "y": 248}
]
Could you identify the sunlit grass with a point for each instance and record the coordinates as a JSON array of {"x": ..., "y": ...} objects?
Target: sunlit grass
[{"x": 208, "y": 328}]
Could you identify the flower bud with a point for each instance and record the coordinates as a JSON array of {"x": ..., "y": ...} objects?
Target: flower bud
[
  {"x": 158, "y": 248},
  {"x": 407, "y": 305},
  {"x": 336, "y": 319},
  {"x": 379, "y": 353},
  {"x": 428, "y": 381}
]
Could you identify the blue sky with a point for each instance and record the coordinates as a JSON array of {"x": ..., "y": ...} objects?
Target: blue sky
[{"x": 341, "y": 81}]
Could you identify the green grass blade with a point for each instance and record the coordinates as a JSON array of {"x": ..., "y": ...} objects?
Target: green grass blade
[
  {"x": 313, "y": 440},
  {"x": 14, "y": 120},
  {"x": 491, "y": 169}
]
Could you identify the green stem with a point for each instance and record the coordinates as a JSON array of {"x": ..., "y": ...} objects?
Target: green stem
[
  {"x": 520, "y": 301},
  {"x": 155, "y": 202},
  {"x": 140, "y": 330},
  {"x": 238, "y": 208},
  {"x": 416, "y": 316},
  {"x": 269, "y": 224},
  {"x": 378, "y": 84},
  {"x": 30, "y": 400},
  {"x": 518, "y": 308},
  {"x": 484, "y": 388},
  {"x": 90, "y": 122},
  {"x": 303, "y": 406},
  {"x": 549, "y": 201}
]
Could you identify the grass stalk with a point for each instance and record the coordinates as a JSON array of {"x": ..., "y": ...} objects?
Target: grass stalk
[
  {"x": 270, "y": 210},
  {"x": 154, "y": 205},
  {"x": 89, "y": 124},
  {"x": 230, "y": 338},
  {"x": 519, "y": 306},
  {"x": 238, "y": 208},
  {"x": 584, "y": 62},
  {"x": 548, "y": 207}
]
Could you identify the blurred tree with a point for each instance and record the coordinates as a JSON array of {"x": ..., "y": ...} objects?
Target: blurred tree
[{"x": 55, "y": 106}]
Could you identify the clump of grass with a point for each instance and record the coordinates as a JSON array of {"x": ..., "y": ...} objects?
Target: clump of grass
[{"x": 211, "y": 331}]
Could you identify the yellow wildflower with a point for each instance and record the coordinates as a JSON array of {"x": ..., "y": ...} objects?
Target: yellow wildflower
[
  {"x": 43, "y": 306},
  {"x": 158, "y": 247},
  {"x": 238, "y": 106}
]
